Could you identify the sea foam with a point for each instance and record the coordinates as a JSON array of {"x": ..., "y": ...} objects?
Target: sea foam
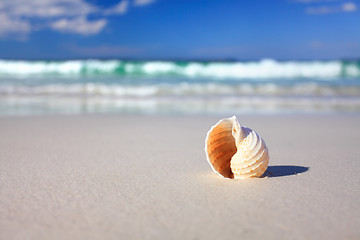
[{"x": 263, "y": 69}]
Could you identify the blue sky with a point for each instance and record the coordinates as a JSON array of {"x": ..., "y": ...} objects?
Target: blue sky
[{"x": 182, "y": 29}]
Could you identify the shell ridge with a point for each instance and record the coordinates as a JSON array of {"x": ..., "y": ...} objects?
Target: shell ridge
[
  {"x": 259, "y": 146},
  {"x": 253, "y": 165},
  {"x": 263, "y": 166},
  {"x": 254, "y": 140},
  {"x": 249, "y": 164}
]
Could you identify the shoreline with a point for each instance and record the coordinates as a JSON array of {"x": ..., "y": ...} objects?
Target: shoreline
[{"x": 83, "y": 105}]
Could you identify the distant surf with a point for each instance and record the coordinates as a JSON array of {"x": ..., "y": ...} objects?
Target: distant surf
[
  {"x": 268, "y": 85},
  {"x": 263, "y": 69}
]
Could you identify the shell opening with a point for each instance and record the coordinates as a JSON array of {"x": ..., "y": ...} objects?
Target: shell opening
[{"x": 221, "y": 147}]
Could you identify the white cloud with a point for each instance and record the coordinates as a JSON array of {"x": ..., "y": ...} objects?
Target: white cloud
[
  {"x": 120, "y": 8},
  {"x": 349, "y": 7},
  {"x": 345, "y": 7},
  {"x": 143, "y": 2},
  {"x": 46, "y": 8},
  {"x": 79, "y": 25},
  {"x": 67, "y": 16},
  {"x": 12, "y": 25},
  {"x": 24, "y": 16}
]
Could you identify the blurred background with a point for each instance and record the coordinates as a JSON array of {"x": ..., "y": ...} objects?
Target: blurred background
[{"x": 179, "y": 56}]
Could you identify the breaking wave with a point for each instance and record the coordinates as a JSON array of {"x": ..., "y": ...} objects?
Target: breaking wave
[{"x": 263, "y": 69}]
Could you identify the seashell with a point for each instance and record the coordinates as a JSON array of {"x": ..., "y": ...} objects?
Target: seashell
[{"x": 234, "y": 151}]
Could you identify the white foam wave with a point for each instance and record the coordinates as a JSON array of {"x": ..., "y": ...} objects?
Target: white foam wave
[
  {"x": 64, "y": 67},
  {"x": 267, "y": 68},
  {"x": 264, "y": 69},
  {"x": 177, "y": 90}
]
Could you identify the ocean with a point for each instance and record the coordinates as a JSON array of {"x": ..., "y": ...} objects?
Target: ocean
[{"x": 178, "y": 87}]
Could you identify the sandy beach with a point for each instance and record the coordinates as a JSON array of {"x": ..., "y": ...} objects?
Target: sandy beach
[{"x": 146, "y": 177}]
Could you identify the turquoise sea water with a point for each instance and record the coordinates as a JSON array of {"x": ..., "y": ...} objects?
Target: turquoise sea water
[{"x": 97, "y": 86}]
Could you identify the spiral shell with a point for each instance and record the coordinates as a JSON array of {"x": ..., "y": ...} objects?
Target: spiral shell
[{"x": 236, "y": 152}]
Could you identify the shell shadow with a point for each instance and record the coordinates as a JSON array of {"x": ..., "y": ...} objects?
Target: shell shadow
[{"x": 284, "y": 170}]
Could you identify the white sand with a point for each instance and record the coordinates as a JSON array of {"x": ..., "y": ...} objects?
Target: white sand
[{"x": 146, "y": 177}]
